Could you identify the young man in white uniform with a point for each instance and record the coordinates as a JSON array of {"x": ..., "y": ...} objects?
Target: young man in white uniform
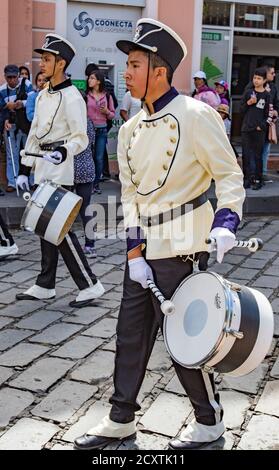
[
  {"x": 58, "y": 132},
  {"x": 168, "y": 154}
]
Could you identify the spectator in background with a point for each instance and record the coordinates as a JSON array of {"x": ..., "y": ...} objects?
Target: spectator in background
[
  {"x": 109, "y": 87},
  {"x": 203, "y": 92},
  {"x": 100, "y": 108},
  {"x": 224, "y": 112},
  {"x": 130, "y": 106},
  {"x": 40, "y": 83},
  {"x": 24, "y": 72},
  {"x": 255, "y": 107},
  {"x": 274, "y": 110},
  {"x": 84, "y": 175},
  {"x": 222, "y": 89},
  {"x": 9, "y": 105}
]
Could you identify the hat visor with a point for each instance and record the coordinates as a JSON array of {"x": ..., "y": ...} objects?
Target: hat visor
[
  {"x": 51, "y": 51},
  {"x": 127, "y": 46}
]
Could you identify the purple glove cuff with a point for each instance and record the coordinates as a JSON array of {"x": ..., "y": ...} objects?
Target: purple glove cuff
[
  {"x": 227, "y": 219},
  {"x": 134, "y": 237}
]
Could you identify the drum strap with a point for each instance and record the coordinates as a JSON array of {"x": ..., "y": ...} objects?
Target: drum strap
[
  {"x": 249, "y": 325},
  {"x": 174, "y": 213},
  {"x": 48, "y": 211},
  {"x": 51, "y": 146}
]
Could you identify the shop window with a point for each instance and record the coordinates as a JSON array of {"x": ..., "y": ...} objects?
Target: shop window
[
  {"x": 216, "y": 13},
  {"x": 253, "y": 16}
]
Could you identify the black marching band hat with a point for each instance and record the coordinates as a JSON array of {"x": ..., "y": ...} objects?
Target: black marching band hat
[
  {"x": 154, "y": 36},
  {"x": 57, "y": 45}
]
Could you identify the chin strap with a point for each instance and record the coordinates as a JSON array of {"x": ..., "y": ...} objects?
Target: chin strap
[{"x": 147, "y": 80}]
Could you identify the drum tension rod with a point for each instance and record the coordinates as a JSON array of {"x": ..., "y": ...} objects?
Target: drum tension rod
[
  {"x": 208, "y": 369},
  {"x": 236, "y": 334}
]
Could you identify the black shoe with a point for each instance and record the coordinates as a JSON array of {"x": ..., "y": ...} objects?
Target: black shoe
[
  {"x": 247, "y": 184},
  {"x": 81, "y": 303},
  {"x": 2, "y": 193},
  {"x": 256, "y": 186},
  {"x": 29, "y": 297},
  {"x": 176, "y": 444},
  {"x": 87, "y": 442}
]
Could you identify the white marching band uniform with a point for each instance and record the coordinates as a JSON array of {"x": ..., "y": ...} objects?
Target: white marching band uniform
[
  {"x": 59, "y": 125},
  {"x": 184, "y": 148}
]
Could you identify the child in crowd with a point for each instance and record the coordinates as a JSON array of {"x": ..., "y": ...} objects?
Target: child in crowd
[
  {"x": 222, "y": 89},
  {"x": 224, "y": 112},
  {"x": 255, "y": 108}
]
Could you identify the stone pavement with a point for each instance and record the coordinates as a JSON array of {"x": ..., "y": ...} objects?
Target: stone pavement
[{"x": 56, "y": 363}]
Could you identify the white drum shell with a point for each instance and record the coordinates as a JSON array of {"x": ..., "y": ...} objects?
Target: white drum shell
[
  {"x": 59, "y": 217},
  {"x": 264, "y": 339},
  {"x": 224, "y": 341}
]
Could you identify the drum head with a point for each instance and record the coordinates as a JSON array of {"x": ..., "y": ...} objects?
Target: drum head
[{"x": 194, "y": 331}]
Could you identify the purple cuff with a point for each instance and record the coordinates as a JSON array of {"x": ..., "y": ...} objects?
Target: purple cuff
[
  {"x": 135, "y": 237},
  {"x": 227, "y": 219}
]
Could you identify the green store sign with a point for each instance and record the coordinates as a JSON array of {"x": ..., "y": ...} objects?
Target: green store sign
[{"x": 212, "y": 36}]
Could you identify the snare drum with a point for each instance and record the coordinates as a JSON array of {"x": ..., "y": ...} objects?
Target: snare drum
[
  {"x": 51, "y": 212},
  {"x": 218, "y": 326}
]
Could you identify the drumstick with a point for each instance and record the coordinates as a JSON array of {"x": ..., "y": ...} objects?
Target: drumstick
[
  {"x": 166, "y": 306},
  {"x": 254, "y": 244}
]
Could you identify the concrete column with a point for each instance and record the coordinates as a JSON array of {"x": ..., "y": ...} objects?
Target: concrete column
[
  {"x": 61, "y": 17},
  {"x": 151, "y": 10},
  {"x": 197, "y": 36}
]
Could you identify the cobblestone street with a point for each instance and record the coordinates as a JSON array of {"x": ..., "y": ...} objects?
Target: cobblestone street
[{"x": 56, "y": 362}]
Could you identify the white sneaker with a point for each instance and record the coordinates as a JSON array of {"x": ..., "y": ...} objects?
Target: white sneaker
[
  {"x": 8, "y": 250},
  {"x": 37, "y": 293},
  {"x": 91, "y": 292},
  {"x": 86, "y": 296}
]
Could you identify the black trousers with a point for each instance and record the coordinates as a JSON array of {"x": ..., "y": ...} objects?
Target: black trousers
[
  {"x": 252, "y": 146},
  {"x": 75, "y": 261},
  {"x": 139, "y": 320},
  {"x": 6, "y": 238},
  {"x": 85, "y": 190}
]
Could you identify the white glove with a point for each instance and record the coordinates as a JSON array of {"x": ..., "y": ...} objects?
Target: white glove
[
  {"x": 53, "y": 157},
  {"x": 22, "y": 181},
  {"x": 140, "y": 271},
  {"x": 224, "y": 239}
]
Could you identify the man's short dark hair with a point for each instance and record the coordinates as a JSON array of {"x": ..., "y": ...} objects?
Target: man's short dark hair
[
  {"x": 156, "y": 61},
  {"x": 260, "y": 72},
  {"x": 58, "y": 58}
]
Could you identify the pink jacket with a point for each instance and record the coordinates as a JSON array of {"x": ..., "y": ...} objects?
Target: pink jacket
[
  {"x": 93, "y": 110},
  {"x": 208, "y": 96}
]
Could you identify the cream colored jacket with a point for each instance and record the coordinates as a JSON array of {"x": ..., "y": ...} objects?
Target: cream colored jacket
[
  {"x": 59, "y": 115},
  {"x": 168, "y": 159}
]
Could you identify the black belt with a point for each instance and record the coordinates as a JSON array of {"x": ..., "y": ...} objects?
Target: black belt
[
  {"x": 174, "y": 213},
  {"x": 52, "y": 145}
]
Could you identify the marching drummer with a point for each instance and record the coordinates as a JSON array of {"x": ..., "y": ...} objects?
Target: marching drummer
[
  {"x": 58, "y": 132},
  {"x": 168, "y": 153}
]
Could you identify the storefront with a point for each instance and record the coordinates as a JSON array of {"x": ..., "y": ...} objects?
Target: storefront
[
  {"x": 237, "y": 37},
  {"x": 94, "y": 28}
]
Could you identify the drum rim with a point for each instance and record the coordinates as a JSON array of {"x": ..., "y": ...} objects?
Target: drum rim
[{"x": 227, "y": 321}]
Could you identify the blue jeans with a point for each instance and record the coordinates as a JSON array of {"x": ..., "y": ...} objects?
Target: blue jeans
[
  {"x": 100, "y": 146},
  {"x": 265, "y": 155},
  {"x": 12, "y": 170}
]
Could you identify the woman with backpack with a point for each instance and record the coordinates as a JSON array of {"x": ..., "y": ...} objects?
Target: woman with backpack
[{"x": 100, "y": 109}]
